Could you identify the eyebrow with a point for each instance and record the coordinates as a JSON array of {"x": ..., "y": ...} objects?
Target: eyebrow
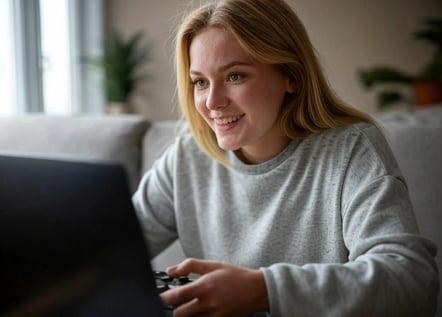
[{"x": 225, "y": 67}]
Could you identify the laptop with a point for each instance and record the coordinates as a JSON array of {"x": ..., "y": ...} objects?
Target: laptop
[{"x": 70, "y": 242}]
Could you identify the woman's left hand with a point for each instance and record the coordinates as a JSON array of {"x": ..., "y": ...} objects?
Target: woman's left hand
[{"x": 221, "y": 290}]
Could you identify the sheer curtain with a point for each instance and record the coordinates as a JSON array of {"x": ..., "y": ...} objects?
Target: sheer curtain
[{"x": 42, "y": 65}]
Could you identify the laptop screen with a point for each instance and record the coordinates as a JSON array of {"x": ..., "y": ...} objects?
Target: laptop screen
[{"x": 70, "y": 242}]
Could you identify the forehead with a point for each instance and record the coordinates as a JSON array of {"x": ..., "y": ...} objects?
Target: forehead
[{"x": 214, "y": 46}]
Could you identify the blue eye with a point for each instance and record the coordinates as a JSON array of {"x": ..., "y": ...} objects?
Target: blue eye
[
  {"x": 199, "y": 83},
  {"x": 234, "y": 77}
]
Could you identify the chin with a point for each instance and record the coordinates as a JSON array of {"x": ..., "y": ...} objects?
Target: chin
[{"x": 228, "y": 146}]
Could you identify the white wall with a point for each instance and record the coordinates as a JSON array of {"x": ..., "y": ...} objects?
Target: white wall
[{"x": 347, "y": 34}]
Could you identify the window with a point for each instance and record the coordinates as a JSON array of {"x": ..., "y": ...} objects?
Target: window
[
  {"x": 41, "y": 56},
  {"x": 7, "y": 66}
]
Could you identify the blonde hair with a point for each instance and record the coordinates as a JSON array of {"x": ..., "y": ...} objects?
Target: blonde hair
[{"x": 270, "y": 32}]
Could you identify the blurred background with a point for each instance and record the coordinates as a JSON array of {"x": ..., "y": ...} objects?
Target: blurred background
[{"x": 53, "y": 52}]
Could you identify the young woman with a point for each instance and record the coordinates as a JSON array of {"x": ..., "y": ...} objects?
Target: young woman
[{"x": 284, "y": 199}]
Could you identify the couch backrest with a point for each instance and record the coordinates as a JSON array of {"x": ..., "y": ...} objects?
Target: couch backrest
[
  {"x": 161, "y": 135},
  {"x": 91, "y": 138}
]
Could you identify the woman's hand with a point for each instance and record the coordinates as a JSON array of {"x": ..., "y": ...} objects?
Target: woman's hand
[{"x": 221, "y": 290}]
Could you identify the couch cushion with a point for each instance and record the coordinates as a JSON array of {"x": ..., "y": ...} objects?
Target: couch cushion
[{"x": 90, "y": 138}]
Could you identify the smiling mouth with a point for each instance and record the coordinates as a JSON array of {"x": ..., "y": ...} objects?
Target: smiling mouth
[{"x": 227, "y": 120}]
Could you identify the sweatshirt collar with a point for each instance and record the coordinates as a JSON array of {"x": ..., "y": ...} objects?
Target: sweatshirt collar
[{"x": 266, "y": 166}]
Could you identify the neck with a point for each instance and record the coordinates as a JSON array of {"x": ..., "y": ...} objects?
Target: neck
[{"x": 261, "y": 153}]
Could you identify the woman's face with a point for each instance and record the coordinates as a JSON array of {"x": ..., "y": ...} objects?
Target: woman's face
[{"x": 238, "y": 97}]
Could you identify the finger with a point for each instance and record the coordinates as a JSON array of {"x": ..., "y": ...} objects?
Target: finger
[
  {"x": 180, "y": 295},
  {"x": 195, "y": 266},
  {"x": 191, "y": 308}
]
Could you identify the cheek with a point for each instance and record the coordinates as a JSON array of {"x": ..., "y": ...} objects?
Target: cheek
[
  {"x": 200, "y": 104},
  {"x": 273, "y": 100}
]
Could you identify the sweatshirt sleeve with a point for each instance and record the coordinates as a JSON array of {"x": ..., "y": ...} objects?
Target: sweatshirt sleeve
[
  {"x": 390, "y": 270},
  {"x": 154, "y": 204}
]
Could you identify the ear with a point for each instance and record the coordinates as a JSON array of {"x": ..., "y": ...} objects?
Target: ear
[{"x": 290, "y": 85}]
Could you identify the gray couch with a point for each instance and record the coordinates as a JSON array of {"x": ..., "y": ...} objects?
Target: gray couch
[{"x": 415, "y": 138}]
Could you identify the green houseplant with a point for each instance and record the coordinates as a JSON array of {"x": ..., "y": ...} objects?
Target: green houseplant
[
  {"x": 122, "y": 63},
  {"x": 426, "y": 84}
]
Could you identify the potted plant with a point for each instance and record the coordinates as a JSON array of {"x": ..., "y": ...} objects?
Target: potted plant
[
  {"x": 426, "y": 85},
  {"x": 122, "y": 63}
]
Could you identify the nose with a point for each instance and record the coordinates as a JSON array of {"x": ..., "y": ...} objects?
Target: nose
[{"x": 216, "y": 98}]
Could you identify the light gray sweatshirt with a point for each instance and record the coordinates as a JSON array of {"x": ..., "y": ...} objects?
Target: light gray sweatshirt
[{"x": 329, "y": 221}]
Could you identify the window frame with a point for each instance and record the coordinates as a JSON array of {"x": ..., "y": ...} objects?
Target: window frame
[{"x": 28, "y": 75}]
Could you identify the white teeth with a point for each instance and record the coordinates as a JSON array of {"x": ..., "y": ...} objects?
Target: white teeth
[{"x": 226, "y": 120}]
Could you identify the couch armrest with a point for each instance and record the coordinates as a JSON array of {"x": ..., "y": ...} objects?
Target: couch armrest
[{"x": 416, "y": 140}]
